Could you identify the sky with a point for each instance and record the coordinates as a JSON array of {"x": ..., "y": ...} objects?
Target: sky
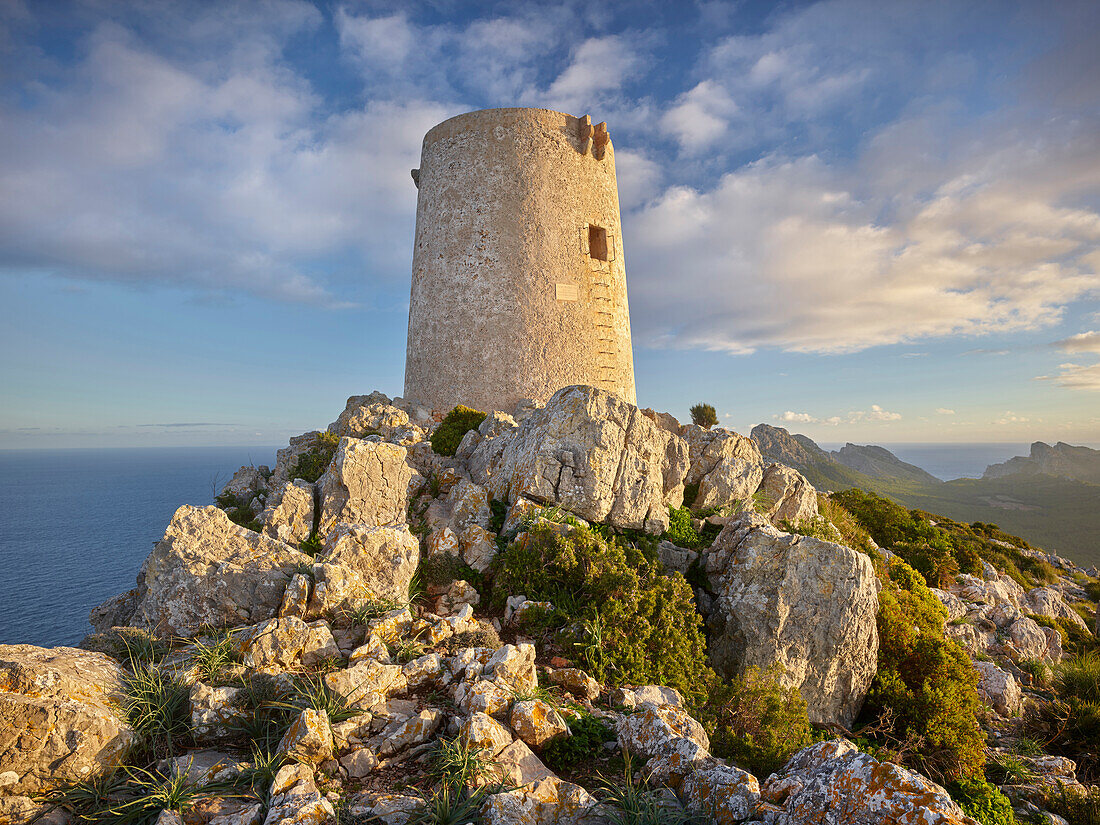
[{"x": 866, "y": 221}]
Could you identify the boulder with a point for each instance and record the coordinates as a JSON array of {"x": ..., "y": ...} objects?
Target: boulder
[
  {"x": 295, "y": 799},
  {"x": 209, "y": 571},
  {"x": 652, "y": 729},
  {"x": 288, "y": 456},
  {"x": 537, "y": 723},
  {"x": 288, "y": 514},
  {"x": 833, "y": 783},
  {"x": 214, "y": 711},
  {"x": 469, "y": 504},
  {"x": 367, "y": 415},
  {"x": 1046, "y": 601},
  {"x": 366, "y": 483},
  {"x": 405, "y": 733},
  {"x": 576, "y": 681},
  {"x": 288, "y": 644},
  {"x": 787, "y": 496},
  {"x": 59, "y": 721},
  {"x": 517, "y": 765},
  {"x": 483, "y": 731},
  {"x": 999, "y": 689},
  {"x": 247, "y": 483},
  {"x": 723, "y": 794},
  {"x": 308, "y": 739},
  {"x": 805, "y": 605},
  {"x": 483, "y": 696},
  {"x": 479, "y": 547},
  {"x": 375, "y": 563},
  {"x": 550, "y": 801},
  {"x": 597, "y": 456},
  {"x": 115, "y": 612},
  {"x": 732, "y": 481},
  {"x": 514, "y": 666}
]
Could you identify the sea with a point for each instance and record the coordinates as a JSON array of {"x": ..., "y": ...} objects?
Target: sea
[{"x": 75, "y": 525}]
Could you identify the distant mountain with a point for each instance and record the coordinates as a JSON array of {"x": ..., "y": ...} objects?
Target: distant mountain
[
  {"x": 1052, "y": 498},
  {"x": 1061, "y": 460},
  {"x": 878, "y": 462}
]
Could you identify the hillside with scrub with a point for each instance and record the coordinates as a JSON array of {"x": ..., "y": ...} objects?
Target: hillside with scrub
[{"x": 575, "y": 611}]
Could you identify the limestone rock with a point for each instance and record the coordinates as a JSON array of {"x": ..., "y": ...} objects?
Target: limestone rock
[
  {"x": 450, "y": 598},
  {"x": 213, "y": 711},
  {"x": 723, "y": 794},
  {"x": 550, "y": 801},
  {"x": 247, "y": 482},
  {"x": 523, "y": 509},
  {"x": 359, "y": 763},
  {"x": 708, "y": 448},
  {"x": 576, "y": 681},
  {"x": 367, "y": 683},
  {"x": 115, "y": 612},
  {"x": 483, "y": 696},
  {"x": 423, "y": 670},
  {"x": 597, "y": 456},
  {"x": 309, "y": 739},
  {"x": 469, "y": 504},
  {"x": 295, "y": 799},
  {"x": 479, "y": 547},
  {"x": 366, "y": 483},
  {"x": 287, "y": 644},
  {"x": 517, "y": 765},
  {"x": 402, "y": 734},
  {"x": 288, "y": 514},
  {"x": 375, "y": 563},
  {"x": 209, "y": 571},
  {"x": 999, "y": 688},
  {"x": 1046, "y": 601},
  {"x": 58, "y": 718},
  {"x": 363, "y": 417},
  {"x": 788, "y": 495},
  {"x": 649, "y": 731},
  {"x": 483, "y": 731},
  {"x": 537, "y": 723},
  {"x": 832, "y": 782},
  {"x": 388, "y": 808},
  {"x": 805, "y": 604},
  {"x": 732, "y": 481},
  {"x": 296, "y": 596},
  {"x": 514, "y": 666}
]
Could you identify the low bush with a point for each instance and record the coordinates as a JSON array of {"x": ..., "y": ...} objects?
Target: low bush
[
  {"x": 1070, "y": 724},
  {"x": 586, "y": 739},
  {"x": 925, "y": 687},
  {"x": 756, "y": 722},
  {"x": 312, "y": 464},
  {"x": 983, "y": 801},
  {"x": 1076, "y": 808},
  {"x": 851, "y": 531},
  {"x": 703, "y": 415},
  {"x": 239, "y": 511},
  {"x": 630, "y": 622},
  {"x": 458, "y": 422},
  {"x": 682, "y": 533}
]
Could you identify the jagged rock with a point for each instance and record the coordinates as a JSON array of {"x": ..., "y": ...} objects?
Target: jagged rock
[
  {"x": 658, "y": 695},
  {"x": 537, "y": 723},
  {"x": 1001, "y": 592},
  {"x": 402, "y": 734},
  {"x": 1046, "y": 601},
  {"x": 366, "y": 483},
  {"x": 296, "y": 596},
  {"x": 227, "y": 812},
  {"x": 364, "y": 563},
  {"x": 597, "y": 456},
  {"x": 450, "y": 598},
  {"x": 1030, "y": 640},
  {"x": 523, "y": 509},
  {"x": 214, "y": 710},
  {"x": 388, "y": 808},
  {"x": 209, "y": 571},
  {"x": 295, "y": 799},
  {"x": 479, "y": 547},
  {"x": 359, "y": 762},
  {"x": 444, "y": 541},
  {"x": 168, "y": 817},
  {"x": 247, "y": 483},
  {"x": 517, "y": 765},
  {"x": 666, "y": 421},
  {"x": 832, "y": 782},
  {"x": 115, "y": 612},
  {"x": 549, "y": 802},
  {"x": 288, "y": 643},
  {"x": 804, "y": 604},
  {"x": 59, "y": 721},
  {"x": 676, "y": 559},
  {"x": 788, "y": 496},
  {"x": 708, "y": 448},
  {"x": 353, "y": 733},
  {"x": 469, "y": 504},
  {"x": 732, "y": 481},
  {"x": 309, "y": 739},
  {"x": 650, "y": 730},
  {"x": 287, "y": 458},
  {"x": 483, "y": 696},
  {"x": 366, "y": 684},
  {"x": 722, "y": 793},
  {"x": 203, "y": 767},
  {"x": 514, "y": 666},
  {"x": 999, "y": 688},
  {"x": 576, "y": 681},
  {"x": 288, "y": 514},
  {"x": 374, "y": 650},
  {"x": 955, "y": 607},
  {"x": 364, "y": 417},
  {"x": 423, "y": 670},
  {"x": 483, "y": 731},
  {"x": 975, "y": 640}
]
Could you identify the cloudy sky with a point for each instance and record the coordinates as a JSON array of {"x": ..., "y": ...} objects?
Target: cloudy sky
[{"x": 872, "y": 221}]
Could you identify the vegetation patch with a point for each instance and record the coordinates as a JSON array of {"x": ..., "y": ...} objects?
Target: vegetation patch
[
  {"x": 458, "y": 422},
  {"x": 630, "y": 623},
  {"x": 682, "y": 533},
  {"x": 703, "y": 415},
  {"x": 239, "y": 511},
  {"x": 312, "y": 464},
  {"x": 588, "y": 735},
  {"x": 982, "y": 801}
]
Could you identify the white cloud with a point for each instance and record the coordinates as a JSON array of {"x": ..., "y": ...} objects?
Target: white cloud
[
  {"x": 1082, "y": 342},
  {"x": 944, "y": 411},
  {"x": 1075, "y": 376},
  {"x": 876, "y": 413},
  {"x": 1010, "y": 417},
  {"x": 700, "y": 116},
  {"x": 598, "y": 69}
]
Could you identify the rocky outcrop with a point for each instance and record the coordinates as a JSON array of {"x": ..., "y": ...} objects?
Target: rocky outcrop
[
  {"x": 366, "y": 483},
  {"x": 832, "y": 782},
  {"x": 362, "y": 563},
  {"x": 597, "y": 456},
  {"x": 805, "y": 605},
  {"x": 288, "y": 514},
  {"x": 209, "y": 571},
  {"x": 59, "y": 717},
  {"x": 786, "y": 496}
]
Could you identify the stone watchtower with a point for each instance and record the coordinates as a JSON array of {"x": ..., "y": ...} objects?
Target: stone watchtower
[{"x": 518, "y": 281}]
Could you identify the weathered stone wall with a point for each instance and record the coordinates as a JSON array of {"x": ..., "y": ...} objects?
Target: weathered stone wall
[{"x": 510, "y": 299}]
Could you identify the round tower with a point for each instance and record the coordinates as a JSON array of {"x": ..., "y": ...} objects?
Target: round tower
[{"x": 518, "y": 281}]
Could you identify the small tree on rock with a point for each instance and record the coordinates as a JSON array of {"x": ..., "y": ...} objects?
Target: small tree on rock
[{"x": 704, "y": 415}]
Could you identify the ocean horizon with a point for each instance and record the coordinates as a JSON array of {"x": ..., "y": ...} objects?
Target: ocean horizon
[{"x": 76, "y": 523}]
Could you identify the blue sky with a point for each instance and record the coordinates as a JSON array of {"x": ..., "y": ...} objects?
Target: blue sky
[{"x": 868, "y": 221}]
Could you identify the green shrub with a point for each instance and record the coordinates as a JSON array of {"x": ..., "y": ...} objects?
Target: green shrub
[
  {"x": 312, "y": 464},
  {"x": 239, "y": 510},
  {"x": 312, "y": 545},
  {"x": 1070, "y": 725},
  {"x": 703, "y": 415},
  {"x": 851, "y": 531},
  {"x": 925, "y": 689},
  {"x": 1077, "y": 808},
  {"x": 587, "y": 735},
  {"x": 982, "y": 801},
  {"x": 681, "y": 532},
  {"x": 756, "y": 722},
  {"x": 459, "y": 421},
  {"x": 444, "y": 568},
  {"x": 631, "y": 623}
]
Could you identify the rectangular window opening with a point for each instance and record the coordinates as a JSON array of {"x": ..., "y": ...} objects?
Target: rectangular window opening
[{"x": 597, "y": 242}]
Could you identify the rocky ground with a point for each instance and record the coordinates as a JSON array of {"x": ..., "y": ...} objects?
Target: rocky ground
[{"x": 326, "y": 644}]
